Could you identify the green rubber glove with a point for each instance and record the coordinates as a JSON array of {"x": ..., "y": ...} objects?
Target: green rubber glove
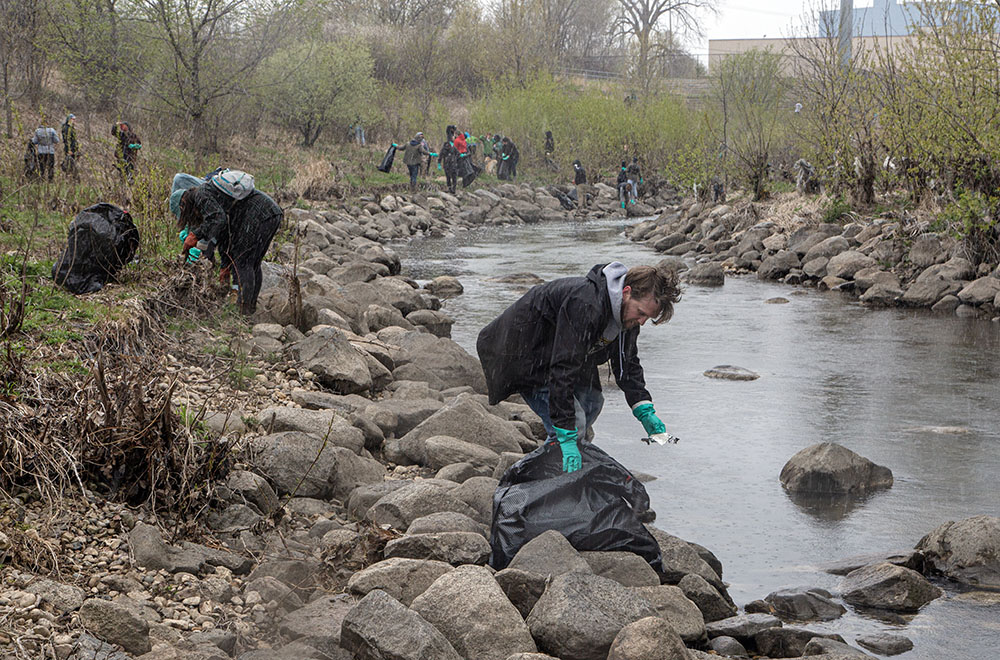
[
  {"x": 646, "y": 415},
  {"x": 570, "y": 451},
  {"x": 183, "y": 234},
  {"x": 193, "y": 255}
]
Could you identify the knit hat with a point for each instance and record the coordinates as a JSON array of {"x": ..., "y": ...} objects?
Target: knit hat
[{"x": 175, "y": 202}]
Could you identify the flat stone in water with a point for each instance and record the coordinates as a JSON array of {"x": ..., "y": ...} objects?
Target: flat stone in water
[
  {"x": 777, "y": 301},
  {"x": 729, "y": 372},
  {"x": 885, "y": 643},
  {"x": 524, "y": 279},
  {"x": 944, "y": 430}
]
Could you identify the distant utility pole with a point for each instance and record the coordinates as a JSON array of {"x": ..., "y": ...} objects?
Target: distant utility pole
[{"x": 845, "y": 31}]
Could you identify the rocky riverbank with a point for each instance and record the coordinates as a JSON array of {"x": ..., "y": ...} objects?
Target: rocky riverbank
[
  {"x": 882, "y": 262},
  {"x": 354, "y": 522}
]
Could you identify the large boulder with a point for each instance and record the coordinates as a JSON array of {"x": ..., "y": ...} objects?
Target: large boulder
[
  {"x": 318, "y": 624},
  {"x": 116, "y": 624},
  {"x": 456, "y": 548},
  {"x": 967, "y": 551},
  {"x": 743, "y": 627},
  {"x": 671, "y": 604},
  {"x": 406, "y": 412},
  {"x": 402, "y": 506},
  {"x": 980, "y": 291},
  {"x": 928, "y": 292},
  {"x": 579, "y": 615},
  {"x": 403, "y": 579},
  {"x": 522, "y": 588},
  {"x": 886, "y": 586},
  {"x": 831, "y": 469},
  {"x": 926, "y": 250},
  {"x": 651, "y": 638},
  {"x": 804, "y": 604},
  {"x": 680, "y": 559},
  {"x": 624, "y": 568},
  {"x": 955, "y": 268},
  {"x": 787, "y": 642},
  {"x": 549, "y": 553},
  {"x": 438, "y": 361},
  {"x": 337, "y": 364},
  {"x": 466, "y": 420},
  {"x": 306, "y": 465},
  {"x": 711, "y": 603},
  {"x": 379, "y": 627},
  {"x": 778, "y": 265},
  {"x": 442, "y": 450},
  {"x": 473, "y": 613},
  {"x": 331, "y": 425},
  {"x": 707, "y": 274},
  {"x": 828, "y": 247},
  {"x": 846, "y": 264}
]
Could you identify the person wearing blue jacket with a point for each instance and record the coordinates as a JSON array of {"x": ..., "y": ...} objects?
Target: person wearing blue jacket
[{"x": 547, "y": 346}]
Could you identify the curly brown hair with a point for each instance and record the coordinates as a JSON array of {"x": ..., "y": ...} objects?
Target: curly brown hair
[
  {"x": 190, "y": 216},
  {"x": 661, "y": 282}
]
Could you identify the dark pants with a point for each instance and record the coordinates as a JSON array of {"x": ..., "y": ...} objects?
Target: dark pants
[
  {"x": 245, "y": 253},
  {"x": 452, "y": 178},
  {"x": 46, "y": 162},
  {"x": 587, "y": 402},
  {"x": 414, "y": 173}
]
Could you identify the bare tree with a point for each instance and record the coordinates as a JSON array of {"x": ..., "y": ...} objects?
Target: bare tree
[
  {"x": 639, "y": 20},
  {"x": 209, "y": 50},
  {"x": 23, "y": 66}
]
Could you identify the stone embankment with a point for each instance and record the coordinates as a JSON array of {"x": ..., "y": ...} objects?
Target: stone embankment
[
  {"x": 356, "y": 522},
  {"x": 882, "y": 263}
]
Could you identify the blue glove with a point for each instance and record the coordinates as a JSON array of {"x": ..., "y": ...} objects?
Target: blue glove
[
  {"x": 570, "y": 451},
  {"x": 193, "y": 255},
  {"x": 395, "y": 145},
  {"x": 183, "y": 234},
  {"x": 646, "y": 415}
]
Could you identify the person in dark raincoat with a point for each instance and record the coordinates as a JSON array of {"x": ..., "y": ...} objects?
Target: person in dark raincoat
[
  {"x": 129, "y": 145},
  {"x": 547, "y": 345},
  {"x": 448, "y": 159},
  {"x": 413, "y": 157},
  {"x": 509, "y": 155},
  {"x": 71, "y": 148},
  {"x": 241, "y": 231}
]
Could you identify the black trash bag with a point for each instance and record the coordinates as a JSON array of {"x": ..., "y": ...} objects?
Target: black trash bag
[
  {"x": 32, "y": 169},
  {"x": 102, "y": 239},
  {"x": 567, "y": 201},
  {"x": 595, "y": 508},
  {"x": 467, "y": 171},
  {"x": 386, "y": 164}
]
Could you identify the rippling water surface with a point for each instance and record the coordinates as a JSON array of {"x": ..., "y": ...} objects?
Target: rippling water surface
[{"x": 913, "y": 391}]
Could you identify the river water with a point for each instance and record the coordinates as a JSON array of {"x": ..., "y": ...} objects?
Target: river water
[{"x": 907, "y": 389}]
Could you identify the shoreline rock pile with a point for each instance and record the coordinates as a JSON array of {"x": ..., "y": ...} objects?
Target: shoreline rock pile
[
  {"x": 883, "y": 263},
  {"x": 357, "y": 524}
]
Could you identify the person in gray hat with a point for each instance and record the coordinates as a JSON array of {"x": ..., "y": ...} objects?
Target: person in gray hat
[{"x": 413, "y": 157}]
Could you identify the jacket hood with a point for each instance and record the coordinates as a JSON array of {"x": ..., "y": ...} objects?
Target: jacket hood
[
  {"x": 415, "y": 142},
  {"x": 615, "y": 273}
]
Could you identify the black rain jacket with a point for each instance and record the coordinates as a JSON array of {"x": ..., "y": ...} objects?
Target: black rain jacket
[{"x": 552, "y": 336}]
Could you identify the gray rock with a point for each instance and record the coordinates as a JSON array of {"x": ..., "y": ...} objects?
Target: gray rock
[
  {"x": 408, "y": 413},
  {"x": 318, "y": 624},
  {"x": 437, "y": 323},
  {"x": 446, "y": 521},
  {"x": 63, "y": 598},
  {"x": 829, "y": 468},
  {"x": 651, "y": 638},
  {"x": 728, "y": 646},
  {"x": 980, "y": 291},
  {"x": 881, "y": 295},
  {"x": 507, "y": 459},
  {"x": 363, "y": 497},
  {"x": 777, "y": 265},
  {"x": 869, "y": 277},
  {"x": 671, "y": 604},
  {"x": 888, "y": 587},
  {"x": 846, "y": 264},
  {"x": 948, "y": 304},
  {"x": 376, "y": 317},
  {"x": 402, "y": 506},
  {"x": 815, "y": 268},
  {"x": 711, "y": 603},
  {"x": 456, "y": 548},
  {"x": 403, "y": 579},
  {"x": 252, "y": 489},
  {"x": 828, "y": 247},
  {"x": 579, "y": 615},
  {"x": 787, "y": 642},
  {"x": 151, "y": 552},
  {"x": 707, "y": 274},
  {"x": 437, "y": 361},
  {"x": 531, "y": 656},
  {"x": 445, "y": 286},
  {"x": 221, "y": 639},
  {"x": 270, "y": 588},
  {"x": 467, "y": 420},
  {"x": 442, "y": 450},
  {"x": 459, "y": 472},
  {"x": 821, "y": 648},
  {"x": 680, "y": 559},
  {"x": 885, "y": 643},
  {"x": 298, "y": 574},
  {"x": 729, "y": 372},
  {"x": 742, "y": 627},
  {"x": 928, "y": 292},
  {"x": 967, "y": 551},
  {"x": 88, "y": 647},
  {"x": 478, "y": 492},
  {"x": 330, "y": 425},
  {"x": 804, "y": 604},
  {"x": 379, "y": 627},
  {"x": 549, "y": 553},
  {"x": 337, "y": 365},
  {"x": 522, "y": 588},
  {"x": 926, "y": 251},
  {"x": 472, "y": 612},
  {"x": 116, "y": 624},
  {"x": 624, "y": 568},
  {"x": 830, "y": 283},
  {"x": 955, "y": 268},
  {"x": 304, "y": 464},
  {"x": 908, "y": 558}
]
